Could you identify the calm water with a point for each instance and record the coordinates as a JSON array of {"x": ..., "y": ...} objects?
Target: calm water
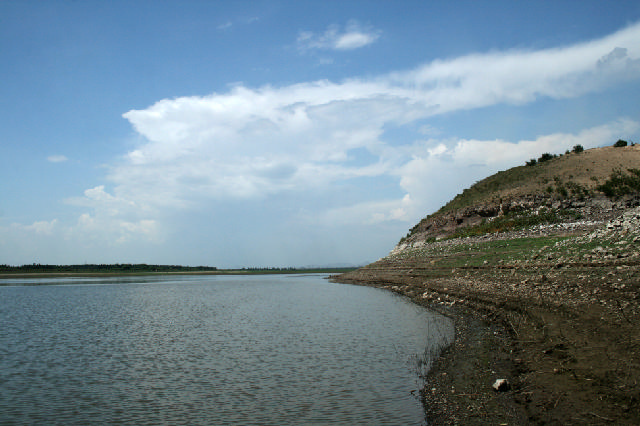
[{"x": 257, "y": 350}]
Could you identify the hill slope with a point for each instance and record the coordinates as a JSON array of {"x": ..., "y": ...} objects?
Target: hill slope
[
  {"x": 551, "y": 301},
  {"x": 569, "y": 187}
]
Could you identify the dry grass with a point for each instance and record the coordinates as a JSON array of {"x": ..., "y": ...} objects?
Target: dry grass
[{"x": 585, "y": 170}]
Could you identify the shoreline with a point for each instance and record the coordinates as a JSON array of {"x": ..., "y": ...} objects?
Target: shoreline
[
  {"x": 482, "y": 350},
  {"x": 21, "y": 275},
  {"x": 555, "y": 315},
  {"x": 458, "y": 386},
  {"x": 553, "y": 379}
]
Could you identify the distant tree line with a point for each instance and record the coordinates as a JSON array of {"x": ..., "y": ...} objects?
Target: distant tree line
[
  {"x": 293, "y": 270},
  {"x": 270, "y": 268},
  {"x": 104, "y": 268}
]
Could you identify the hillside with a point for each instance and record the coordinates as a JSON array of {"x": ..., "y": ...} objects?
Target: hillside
[
  {"x": 544, "y": 286},
  {"x": 563, "y": 189}
]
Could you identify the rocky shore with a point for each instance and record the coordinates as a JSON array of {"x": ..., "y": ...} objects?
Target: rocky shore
[{"x": 553, "y": 309}]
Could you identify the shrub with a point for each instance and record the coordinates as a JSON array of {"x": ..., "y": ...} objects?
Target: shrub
[
  {"x": 562, "y": 191},
  {"x": 545, "y": 157},
  {"x": 620, "y": 143},
  {"x": 531, "y": 162},
  {"x": 621, "y": 184},
  {"x": 577, "y": 190},
  {"x": 578, "y": 149}
]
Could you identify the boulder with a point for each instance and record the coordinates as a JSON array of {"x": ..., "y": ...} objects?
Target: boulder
[{"x": 501, "y": 385}]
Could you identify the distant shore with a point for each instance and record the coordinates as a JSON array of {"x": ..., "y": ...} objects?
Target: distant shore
[{"x": 10, "y": 275}]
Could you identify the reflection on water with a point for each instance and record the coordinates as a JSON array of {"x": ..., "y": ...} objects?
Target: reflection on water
[{"x": 211, "y": 350}]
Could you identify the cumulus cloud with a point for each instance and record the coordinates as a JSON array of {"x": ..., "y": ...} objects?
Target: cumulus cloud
[
  {"x": 114, "y": 231},
  {"x": 256, "y": 143},
  {"x": 114, "y": 219},
  {"x": 41, "y": 227},
  {"x": 354, "y": 36}
]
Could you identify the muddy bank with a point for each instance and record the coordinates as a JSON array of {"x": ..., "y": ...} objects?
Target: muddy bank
[{"x": 556, "y": 315}]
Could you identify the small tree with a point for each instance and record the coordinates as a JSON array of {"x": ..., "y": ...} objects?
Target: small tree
[
  {"x": 620, "y": 143},
  {"x": 578, "y": 149},
  {"x": 531, "y": 162}
]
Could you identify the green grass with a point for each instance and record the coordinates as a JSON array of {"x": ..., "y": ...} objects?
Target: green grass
[
  {"x": 516, "y": 221},
  {"x": 441, "y": 257}
]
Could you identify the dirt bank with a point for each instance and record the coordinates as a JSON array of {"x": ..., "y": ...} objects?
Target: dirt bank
[{"x": 556, "y": 314}]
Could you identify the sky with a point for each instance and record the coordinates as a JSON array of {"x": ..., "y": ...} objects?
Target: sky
[{"x": 286, "y": 133}]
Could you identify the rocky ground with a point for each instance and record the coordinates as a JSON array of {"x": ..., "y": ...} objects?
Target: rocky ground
[{"x": 554, "y": 309}]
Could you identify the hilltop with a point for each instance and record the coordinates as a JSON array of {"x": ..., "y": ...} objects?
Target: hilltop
[{"x": 539, "y": 266}]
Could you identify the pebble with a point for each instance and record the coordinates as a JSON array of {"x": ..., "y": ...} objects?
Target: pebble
[{"x": 501, "y": 385}]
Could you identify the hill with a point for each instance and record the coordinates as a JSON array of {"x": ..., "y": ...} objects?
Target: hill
[
  {"x": 590, "y": 185},
  {"x": 540, "y": 268}
]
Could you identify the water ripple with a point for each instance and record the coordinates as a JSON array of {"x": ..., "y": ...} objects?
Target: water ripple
[{"x": 211, "y": 350}]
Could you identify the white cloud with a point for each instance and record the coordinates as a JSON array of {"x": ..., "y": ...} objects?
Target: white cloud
[
  {"x": 42, "y": 227},
  {"x": 354, "y": 36},
  {"x": 271, "y": 142},
  {"x": 114, "y": 219},
  {"x": 56, "y": 158},
  {"x": 113, "y": 231},
  {"x": 367, "y": 213},
  {"x": 249, "y": 143}
]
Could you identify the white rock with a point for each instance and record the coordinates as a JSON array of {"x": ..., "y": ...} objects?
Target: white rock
[{"x": 501, "y": 385}]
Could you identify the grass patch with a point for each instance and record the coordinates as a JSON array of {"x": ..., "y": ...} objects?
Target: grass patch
[
  {"x": 443, "y": 258},
  {"x": 517, "y": 221}
]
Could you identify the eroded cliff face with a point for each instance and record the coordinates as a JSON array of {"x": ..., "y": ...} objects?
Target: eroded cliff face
[{"x": 578, "y": 213}]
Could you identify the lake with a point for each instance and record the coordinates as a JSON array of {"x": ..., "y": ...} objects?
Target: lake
[{"x": 232, "y": 350}]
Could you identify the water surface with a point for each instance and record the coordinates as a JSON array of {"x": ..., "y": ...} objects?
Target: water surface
[{"x": 246, "y": 350}]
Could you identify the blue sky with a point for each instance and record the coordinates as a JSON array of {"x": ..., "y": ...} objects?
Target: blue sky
[{"x": 286, "y": 133}]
